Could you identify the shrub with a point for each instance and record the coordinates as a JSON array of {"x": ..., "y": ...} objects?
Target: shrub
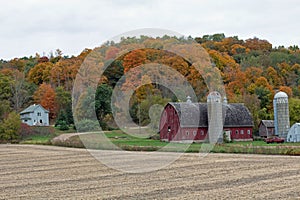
[
  {"x": 62, "y": 125},
  {"x": 10, "y": 127},
  {"x": 25, "y": 130},
  {"x": 87, "y": 125},
  {"x": 225, "y": 138},
  {"x": 43, "y": 130}
]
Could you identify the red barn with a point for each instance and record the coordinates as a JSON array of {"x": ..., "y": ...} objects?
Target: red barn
[{"x": 189, "y": 122}]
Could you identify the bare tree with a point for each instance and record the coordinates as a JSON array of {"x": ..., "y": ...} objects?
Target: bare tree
[{"x": 19, "y": 91}]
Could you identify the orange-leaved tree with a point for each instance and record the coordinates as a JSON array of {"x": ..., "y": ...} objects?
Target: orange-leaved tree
[{"x": 45, "y": 96}]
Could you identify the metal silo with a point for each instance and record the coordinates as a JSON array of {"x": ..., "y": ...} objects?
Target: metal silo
[
  {"x": 215, "y": 117},
  {"x": 281, "y": 114}
]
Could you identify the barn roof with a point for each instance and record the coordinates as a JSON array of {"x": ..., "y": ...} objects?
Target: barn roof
[
  {"x": 268, "y": 123},
  {"x": 31, "y": 109},
  {"x": 196, "y": 115}
]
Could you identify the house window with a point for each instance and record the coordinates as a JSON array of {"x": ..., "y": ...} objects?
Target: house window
[
  {"x": 41, "y": 121},
  {"x": 39, "y": 114},
  {"x": 187, "y": 133},
  {"x": 242, "y": 132},
  {"x": 236, "y": 132},
  {"x": 194, "y": 133},
  {"x": 248, "y": 131},
  {"x": 25, "y": 120}
]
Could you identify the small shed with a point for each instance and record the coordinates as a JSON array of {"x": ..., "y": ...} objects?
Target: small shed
[
  {"x": 294, "y": 133},
  {"x": 35, "y": 115},
  {"x": 266, "y": 128}
]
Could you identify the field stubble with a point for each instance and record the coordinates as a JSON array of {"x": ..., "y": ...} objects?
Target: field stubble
[{"x": 35, "y": 172}]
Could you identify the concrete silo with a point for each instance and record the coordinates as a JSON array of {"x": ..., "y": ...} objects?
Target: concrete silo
[
  {"x": 215, "y": 117},
  {"x": 281, "y": 114}
]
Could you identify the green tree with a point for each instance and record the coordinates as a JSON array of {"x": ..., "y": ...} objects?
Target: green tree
[
  {"x": 85, "y": 107},
  {"x": 64, "y": 103},
  {"x": 5, "y": 89},
  {"x": 264, "y": 96},
  {"x": 103, "y": 102},
  {"x": 146, "y": 113},
  {"x": 10, "y": 127},
  {"x": 294, "y": 108},
  {"x": 4, "y": 109},
  {"x": 86, "y": 125}
]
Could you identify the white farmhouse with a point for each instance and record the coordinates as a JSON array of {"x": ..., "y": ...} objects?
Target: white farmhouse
[{"x": 35, "y": 115}]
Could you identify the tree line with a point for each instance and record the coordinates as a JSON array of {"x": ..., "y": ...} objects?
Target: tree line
[{"x": 252, "y": 71}]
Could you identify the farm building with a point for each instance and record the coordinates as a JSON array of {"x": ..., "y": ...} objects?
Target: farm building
[
  {"x": 35, "y": 115},
  {"x": 294, "y": 133},
  {"x": 266, "y": 128},
  {"x": 187, "y": 121}
]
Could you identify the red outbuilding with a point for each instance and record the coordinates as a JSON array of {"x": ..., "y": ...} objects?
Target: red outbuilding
[{"x": 187, "y": 121}]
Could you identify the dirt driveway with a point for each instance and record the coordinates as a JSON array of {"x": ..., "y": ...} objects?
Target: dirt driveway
[{"x": 46, "y": 172}]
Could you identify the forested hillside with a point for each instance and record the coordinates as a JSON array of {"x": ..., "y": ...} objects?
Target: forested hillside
[{"x": 252, "y": 71}]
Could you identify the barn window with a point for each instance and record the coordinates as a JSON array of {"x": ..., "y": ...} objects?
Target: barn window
[
  {"x": 194, "y": 133},
  {"x": 187, "y": 133},
  {"x": 41, "y": 121},
  {"x": 248, "y": 131},
  {"x": 236, "y": 132},
  {"x": 202, "y": 132},
  {"x": 242, "y": 132},
  {"x": 169, "y": 128}
]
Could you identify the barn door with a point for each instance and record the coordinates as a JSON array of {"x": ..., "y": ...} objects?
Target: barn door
[{"x": 171, "y": 134}]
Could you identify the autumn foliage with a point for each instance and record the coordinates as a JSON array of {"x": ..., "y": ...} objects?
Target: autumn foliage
[
  {"x": 252, "y": 71},
  {"x": 45, "y": 96}
]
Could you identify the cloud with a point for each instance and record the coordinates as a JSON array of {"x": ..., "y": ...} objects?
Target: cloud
[{"x": 41, "y": 26}]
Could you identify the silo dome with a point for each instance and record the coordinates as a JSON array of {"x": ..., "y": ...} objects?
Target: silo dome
[
  {"x": 214, "y": 97},
  {"x": 280, "y": 95}
]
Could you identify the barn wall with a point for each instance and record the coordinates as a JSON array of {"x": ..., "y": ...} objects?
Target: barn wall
[
  {"x": 262, "y": 130},
  {"x": 265, "y": 132},
  {"x": 169, "y": 119},
  {"x": 196, "y": 134},
  {"x": 240, "y": 133}
]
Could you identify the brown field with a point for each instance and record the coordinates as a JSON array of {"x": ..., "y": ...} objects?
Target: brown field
[{"x": 46, "y": 172}]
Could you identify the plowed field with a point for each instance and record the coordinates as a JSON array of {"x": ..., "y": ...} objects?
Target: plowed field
[{"x": 46, "y": 172}]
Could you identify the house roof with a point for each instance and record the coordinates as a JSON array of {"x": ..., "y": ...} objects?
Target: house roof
[
  {"x": 268, "y": 123},
  {"x": 196, "y": 115},
  {"x": 32, "y": 108}
]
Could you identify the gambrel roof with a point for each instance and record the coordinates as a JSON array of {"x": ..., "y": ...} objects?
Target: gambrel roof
[{"x": 196, "y": 114}]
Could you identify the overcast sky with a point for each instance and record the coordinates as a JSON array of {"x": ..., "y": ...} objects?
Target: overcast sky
[{"x": 36, "y": 26}]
